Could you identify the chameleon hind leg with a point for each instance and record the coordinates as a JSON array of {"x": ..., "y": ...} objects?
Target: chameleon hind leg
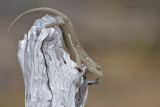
[
  {"x": 79, "y": 67},
  {"x": 59, "y": 21}
]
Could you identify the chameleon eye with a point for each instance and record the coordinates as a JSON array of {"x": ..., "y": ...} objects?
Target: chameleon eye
[{"x": 98, "y": 68}]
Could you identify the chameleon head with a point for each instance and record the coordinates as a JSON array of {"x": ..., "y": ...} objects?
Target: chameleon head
[{"x": 95, "y": 69}]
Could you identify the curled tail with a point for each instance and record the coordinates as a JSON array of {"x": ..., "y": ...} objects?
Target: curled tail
[{"x": 40, "y": 9}]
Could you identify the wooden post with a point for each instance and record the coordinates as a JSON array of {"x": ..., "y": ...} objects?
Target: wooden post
[{"x": 49, "y": 74}]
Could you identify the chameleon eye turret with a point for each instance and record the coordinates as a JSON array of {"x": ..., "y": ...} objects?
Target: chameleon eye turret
[{"x": 98, "y": 68}]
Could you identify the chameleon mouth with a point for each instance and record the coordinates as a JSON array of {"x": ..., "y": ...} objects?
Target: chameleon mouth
[{"x": 95, "y": 73}]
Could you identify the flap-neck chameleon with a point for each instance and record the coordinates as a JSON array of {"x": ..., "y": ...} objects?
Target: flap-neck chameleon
[{"x": 76, "y": 51}]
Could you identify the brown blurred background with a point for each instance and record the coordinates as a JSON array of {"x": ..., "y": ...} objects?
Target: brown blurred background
[{"x": 123, "y": 36}]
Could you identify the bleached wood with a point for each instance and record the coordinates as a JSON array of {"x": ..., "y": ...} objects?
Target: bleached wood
[{"x": 49, "y": 74}]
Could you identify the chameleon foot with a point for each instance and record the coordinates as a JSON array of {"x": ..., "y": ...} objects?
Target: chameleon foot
[
  {"x": 79, "y": 69},
  {"x": 52, "y": 24},
  {"x": 59, "y": 22},
  {"x": 92, "y": 82}
]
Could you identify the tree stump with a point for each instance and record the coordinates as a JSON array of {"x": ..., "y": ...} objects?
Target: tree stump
[{"x": 49, "y": 74}]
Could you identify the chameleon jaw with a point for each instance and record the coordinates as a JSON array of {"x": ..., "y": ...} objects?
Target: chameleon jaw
[{"x": 95, "y": 72}]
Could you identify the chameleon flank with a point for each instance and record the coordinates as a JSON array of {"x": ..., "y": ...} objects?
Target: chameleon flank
[{"x": 76, "y": 51}]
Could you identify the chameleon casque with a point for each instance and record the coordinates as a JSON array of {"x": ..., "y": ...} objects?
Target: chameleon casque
[{"x": 76, "y": 51}]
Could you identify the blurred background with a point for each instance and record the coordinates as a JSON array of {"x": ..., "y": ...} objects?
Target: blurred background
[{"x": 122, "y": 35}]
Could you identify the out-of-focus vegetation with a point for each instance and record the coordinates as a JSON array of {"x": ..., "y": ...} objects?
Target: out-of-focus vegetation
[{"x": 123, "y": 36}]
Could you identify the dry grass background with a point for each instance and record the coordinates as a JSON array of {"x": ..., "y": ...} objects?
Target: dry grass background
[{"x": 123, "y": 36}]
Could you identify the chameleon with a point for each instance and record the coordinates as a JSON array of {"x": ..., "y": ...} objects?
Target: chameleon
[{"x": 72, "y": 43}]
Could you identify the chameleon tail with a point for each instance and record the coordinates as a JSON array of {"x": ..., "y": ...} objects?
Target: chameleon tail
[{"x": 40, "y": 9}]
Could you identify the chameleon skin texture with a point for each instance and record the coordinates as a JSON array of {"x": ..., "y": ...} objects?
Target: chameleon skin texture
[{"x": 76, "y": 51}]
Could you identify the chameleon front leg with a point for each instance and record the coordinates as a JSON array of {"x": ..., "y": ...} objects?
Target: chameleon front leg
[{"x": 79, "y": 66}]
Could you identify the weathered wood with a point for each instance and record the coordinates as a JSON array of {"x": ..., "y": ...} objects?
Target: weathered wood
[{"x": 49, "y": 74}]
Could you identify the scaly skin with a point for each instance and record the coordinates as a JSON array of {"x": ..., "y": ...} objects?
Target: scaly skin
[{"x": 76, "y": 51}]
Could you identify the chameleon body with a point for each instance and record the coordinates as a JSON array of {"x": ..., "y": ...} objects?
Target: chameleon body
[{"x": 76, "y": 51}]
